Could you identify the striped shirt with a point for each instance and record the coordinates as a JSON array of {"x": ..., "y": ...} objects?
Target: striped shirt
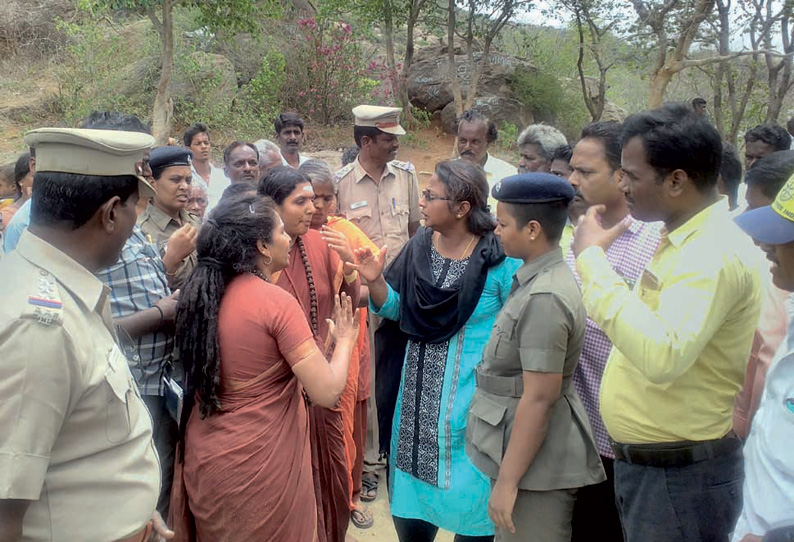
[
  {"x": 628, "y": 256},
  {"x": 137, "y": 281}
]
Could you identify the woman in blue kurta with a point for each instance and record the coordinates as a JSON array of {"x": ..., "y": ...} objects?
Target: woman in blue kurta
[{"x": 442, "y": 294}]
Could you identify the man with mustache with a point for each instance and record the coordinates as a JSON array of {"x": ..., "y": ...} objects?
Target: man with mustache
[
  {"x": 241, "y": 163},
  {"x": 596, "y": 175},
  {"x": 681, "y": 335},
  {"x": 289, "y": 136},
  {"x": 476, "y": 134},
  {"x": 380, "y": 195}
]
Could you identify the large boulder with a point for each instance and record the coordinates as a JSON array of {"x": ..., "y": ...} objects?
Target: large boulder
[
  {"x": 428, "y": 84},
  {"x": 497, "y": 108},
  {"x": 200, "y": 79}
]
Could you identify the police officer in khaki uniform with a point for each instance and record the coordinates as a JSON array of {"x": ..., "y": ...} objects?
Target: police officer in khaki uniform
[
  {"x": 76, "y": 456},
  {"x": 375, "y": 191},
  {"x": 527, "y": 428},
  {"x": 166, "y": 220},
  {"x": 380, "y": 195}
]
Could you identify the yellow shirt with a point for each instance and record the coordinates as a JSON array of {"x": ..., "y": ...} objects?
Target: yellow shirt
[{"x": 682, "y": 336}]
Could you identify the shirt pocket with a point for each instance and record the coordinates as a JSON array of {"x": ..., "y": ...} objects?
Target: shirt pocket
[
  {"x": 486, "y": 427},
  {"x": 362, "y": 214},
  {"x": 118, "y": 391},
  {"x": 649, "y": 290},
  {"x": 400, "y": 212}
]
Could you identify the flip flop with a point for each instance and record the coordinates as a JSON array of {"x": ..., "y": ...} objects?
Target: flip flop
[
  {"x": 362, "y": 518},
  {"x": 369, "y": 489}
]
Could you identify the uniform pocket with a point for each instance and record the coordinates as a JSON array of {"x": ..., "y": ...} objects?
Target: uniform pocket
[
  {"x": 487, "y": 427},
  {"x": 118, "y": 386},
  {"x": 357, "y": 215},
  {"x": 401, "y": 212}
]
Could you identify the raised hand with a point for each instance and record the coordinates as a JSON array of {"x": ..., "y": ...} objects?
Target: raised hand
[
  {"x": 338, "y": 242},
  {"x": 181, "y": 243},
  {"x": 589, "y": 231},
  {"x": 369, "y": 266},
  {"x": 344, "y": 326}
]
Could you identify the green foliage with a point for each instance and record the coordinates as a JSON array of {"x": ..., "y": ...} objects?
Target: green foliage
[
  {"x": 508, "y": 137},
  {"x": 232, "y": 15},
  {"x": 263, "y": 92},
  {"x": 550, "y": 101},
  {"x": 90, "y": 72}
]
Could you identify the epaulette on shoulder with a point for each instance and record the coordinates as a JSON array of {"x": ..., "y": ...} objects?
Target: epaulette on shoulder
[
  {"x": 44, "y": 300},
  {"x": 407, "y": 166},
  {"x": 344, "y": 171}
]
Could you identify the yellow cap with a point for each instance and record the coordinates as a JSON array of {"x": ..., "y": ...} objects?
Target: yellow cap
[
  {"x": 386, "y": 119},
  {"x": 105, "y": 153}
]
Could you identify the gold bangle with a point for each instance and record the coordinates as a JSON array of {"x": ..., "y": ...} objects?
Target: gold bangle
[{"x": 351, "y": 278}]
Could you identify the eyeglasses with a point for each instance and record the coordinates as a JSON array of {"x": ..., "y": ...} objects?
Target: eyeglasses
[{"x": 429, "y": 196}]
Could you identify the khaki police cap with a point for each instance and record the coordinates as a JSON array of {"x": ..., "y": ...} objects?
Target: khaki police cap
[
  {"x": 386, "y": 119},
  {"x": 105, "y": 153}
]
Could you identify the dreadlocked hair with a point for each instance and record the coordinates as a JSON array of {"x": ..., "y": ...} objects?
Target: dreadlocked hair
[{"x": 226, "y": 247}]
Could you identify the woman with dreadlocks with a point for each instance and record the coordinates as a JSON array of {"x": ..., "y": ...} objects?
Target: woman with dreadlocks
[
  {"x": 248, "y": 354},
  {"x": 313, "y": 278}
]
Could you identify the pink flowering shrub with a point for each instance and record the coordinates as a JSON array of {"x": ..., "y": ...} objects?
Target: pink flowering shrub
[{"x": 328, "y": 76}]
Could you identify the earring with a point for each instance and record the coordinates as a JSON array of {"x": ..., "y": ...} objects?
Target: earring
[{"x": 267, "y": 260}]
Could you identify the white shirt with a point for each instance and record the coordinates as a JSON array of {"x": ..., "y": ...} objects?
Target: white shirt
[
  {"x": 218, "y": 183},
  {"x": 301, "y": 159},
  {"x": 495, "y": 171},
  {"x": 768, "y": 456}
]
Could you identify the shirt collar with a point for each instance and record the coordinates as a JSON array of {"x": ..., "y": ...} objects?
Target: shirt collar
[
  {"x": 719, "y": 209},
  {"x": 529, "y": 270},
  {"x": 162, "y": 220},
  {"x": 73, "y": 276},
  {"x": 360, "y": 173}
]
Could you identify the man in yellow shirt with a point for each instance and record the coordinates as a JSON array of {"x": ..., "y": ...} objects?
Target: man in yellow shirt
[{"x": 681, "y": 336}]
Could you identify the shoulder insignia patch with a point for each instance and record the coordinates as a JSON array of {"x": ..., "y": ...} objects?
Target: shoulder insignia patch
[
  {"x": 344, "y": 171},
  {"x": 45, "y": 305},
  {"x": 407, "y": 166}
]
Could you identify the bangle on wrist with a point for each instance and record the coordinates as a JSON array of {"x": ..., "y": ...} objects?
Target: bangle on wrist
[
  {"x": 162, "y": 318},
  {"x": 351, "y": 278}
]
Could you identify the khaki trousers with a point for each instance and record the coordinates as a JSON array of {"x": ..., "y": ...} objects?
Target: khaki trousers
[{"x": 541, "y": 516}]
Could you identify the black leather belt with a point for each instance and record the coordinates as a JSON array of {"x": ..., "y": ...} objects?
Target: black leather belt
[{"x": 675, "y": 454}]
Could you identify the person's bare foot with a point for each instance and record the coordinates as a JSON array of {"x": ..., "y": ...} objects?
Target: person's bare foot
[{"x": 350, "y": 538}]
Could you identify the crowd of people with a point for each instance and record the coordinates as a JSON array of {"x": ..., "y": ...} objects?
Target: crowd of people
[{"x": 587, "y": 344}]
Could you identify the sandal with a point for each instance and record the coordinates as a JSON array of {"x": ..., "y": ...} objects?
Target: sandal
[
  {"x": 369, "y": 488},
  {"x": 362, "y": 517}
]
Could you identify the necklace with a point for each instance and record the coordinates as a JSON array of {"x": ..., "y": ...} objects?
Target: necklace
[
  {"x": 465, "y": 249},
  {"x": 310, "y": 280},
  {"x": 261, "y": 275}
]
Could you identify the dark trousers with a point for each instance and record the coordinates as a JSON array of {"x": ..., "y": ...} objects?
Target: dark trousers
[
  {"x": 165, "y": 435},
  {"x": 418, "y": 530},
  {"x": 696, "y": 503},
  {"x": 595, "y": 510}
]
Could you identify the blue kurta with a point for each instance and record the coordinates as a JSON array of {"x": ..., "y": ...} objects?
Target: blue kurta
[{"x": 435, "y": 481}]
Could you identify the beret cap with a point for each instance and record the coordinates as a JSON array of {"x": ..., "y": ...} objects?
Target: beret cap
[{"x": 533, "y": 188}]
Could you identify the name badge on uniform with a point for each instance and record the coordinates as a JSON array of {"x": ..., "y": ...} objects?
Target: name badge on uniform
[{"x": 358, "y": 205}]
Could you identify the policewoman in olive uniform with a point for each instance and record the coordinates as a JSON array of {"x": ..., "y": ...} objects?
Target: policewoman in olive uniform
[
  {"x": 167, "y": 212},
  {"x": 527, "y": 428},
  {"x": 77, "y": 463}
]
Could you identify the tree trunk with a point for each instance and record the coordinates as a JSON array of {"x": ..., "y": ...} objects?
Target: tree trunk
[
  {"x": 402, "y": 85},
  {"x": 163, "y": 106},
  {"x": 580, "y": 68},
  {"x": 658, "y": 87},
  {"x": 454, "y": 82},
  {"x": 388, "y": 38}
]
